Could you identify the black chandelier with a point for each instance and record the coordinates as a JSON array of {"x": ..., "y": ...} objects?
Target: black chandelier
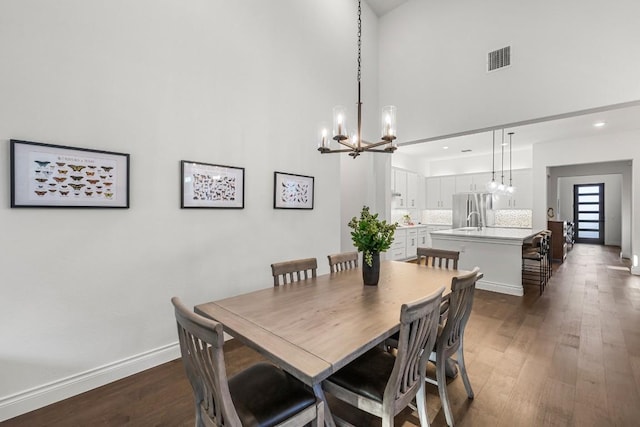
[{"x": 354, "y": 144}]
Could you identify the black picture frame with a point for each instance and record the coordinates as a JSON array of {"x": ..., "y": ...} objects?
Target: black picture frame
[
  {"x": 208, "y": 185},
  {"x": 58, "y": 176},
  {"x": 292, "y": 191}
]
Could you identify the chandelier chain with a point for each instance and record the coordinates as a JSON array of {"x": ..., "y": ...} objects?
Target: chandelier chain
[{"x": 359, "y": 39}]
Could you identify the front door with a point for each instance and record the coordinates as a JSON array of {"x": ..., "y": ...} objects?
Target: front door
[{"x": 588, "y": 213}]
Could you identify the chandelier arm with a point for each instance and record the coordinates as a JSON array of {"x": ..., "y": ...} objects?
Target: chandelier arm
[
  {"x": 347, "y": 144},
  {"x": 385, "y": 150},
  {"x": 342, "y": 150},
  {"x": 373, "y": 144}
]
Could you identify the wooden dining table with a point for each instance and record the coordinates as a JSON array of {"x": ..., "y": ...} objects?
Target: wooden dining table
[{"x": 314, "y": 327}]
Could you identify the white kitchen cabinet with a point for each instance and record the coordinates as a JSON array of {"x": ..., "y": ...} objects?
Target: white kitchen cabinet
[
  {"x": 440, "y": 192},
  {"x": 398, "y": 250},
  {"x": 423, "y": 237},
  {"x": 406, "y": 242},
  {"x": 522, "y": 197},
  {"x": 404, "y": 185},
  {"x": 400, "y": 189},
  {"x": 472, "y": 182},
  {"x": 428, "y": 230},
  {"x": 411, "y": 242},
  {"x": 412, "y": 190}
]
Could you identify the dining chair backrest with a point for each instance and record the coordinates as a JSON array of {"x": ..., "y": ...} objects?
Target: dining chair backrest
[
  {"x": 438, "y": 257},
  {"x": 293, "y": 271},
  {"x": 201, "y": 345},
  {"x": 360, "y": 383},
  {"x": 343, "y": 261},
  {"x": 418, "y": 333},
  {"x": 460, "y": 303}
]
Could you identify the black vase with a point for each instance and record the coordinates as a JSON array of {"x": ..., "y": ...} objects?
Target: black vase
[{"x": 371, "y": 275}]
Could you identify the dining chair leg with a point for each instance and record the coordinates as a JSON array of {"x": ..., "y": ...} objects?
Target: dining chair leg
[
  {"x": 441, "y": 378},
  {"x": 463, "y": 371},
  {"x": 421, "y": 401}
]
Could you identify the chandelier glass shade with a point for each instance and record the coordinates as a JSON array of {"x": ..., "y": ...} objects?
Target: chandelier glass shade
[{"x": 348, "y": 140}]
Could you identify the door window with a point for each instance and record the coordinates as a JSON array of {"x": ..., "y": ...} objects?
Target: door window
[{"x": 588, "y": 205}]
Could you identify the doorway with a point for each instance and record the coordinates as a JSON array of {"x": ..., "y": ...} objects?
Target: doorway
[{"x": 588, "y": 213}]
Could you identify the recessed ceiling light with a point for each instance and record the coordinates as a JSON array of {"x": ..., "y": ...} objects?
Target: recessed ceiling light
[
  {"x": 599, "y": 124},
  {"x": 445, "y": 148}
]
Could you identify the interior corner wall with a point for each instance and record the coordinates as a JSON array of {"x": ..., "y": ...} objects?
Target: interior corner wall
[
  {"x": 612, "y": 203},
  {"x": 86, "y": 292},
  {"x": 439, "y": 81},
  {"x": 615, "y": 148}
]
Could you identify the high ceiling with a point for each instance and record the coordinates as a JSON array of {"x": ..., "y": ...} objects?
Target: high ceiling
[
  {"x": 578, "y": 126},
  {"x": 380, "y": 7}
]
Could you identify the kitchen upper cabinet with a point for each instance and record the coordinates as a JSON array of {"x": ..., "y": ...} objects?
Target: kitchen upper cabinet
[
  {"x": 399, "y": 180},
  {"x": 412, "y": 190},
  {"x": 472, "y": 182},
  {"x": 522, "y": 198},
  {"x": 405, "y": 188},
  {"x": 440, "y": 192}
]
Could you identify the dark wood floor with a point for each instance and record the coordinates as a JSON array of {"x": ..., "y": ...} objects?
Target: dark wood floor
[{"x": 570, "y": 357}]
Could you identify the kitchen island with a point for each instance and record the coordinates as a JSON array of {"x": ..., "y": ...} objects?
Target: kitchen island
[{"x": 497, "y": 251}]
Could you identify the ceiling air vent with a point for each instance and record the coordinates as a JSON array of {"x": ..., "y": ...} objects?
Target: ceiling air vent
[{"x": 499, "y": 59}]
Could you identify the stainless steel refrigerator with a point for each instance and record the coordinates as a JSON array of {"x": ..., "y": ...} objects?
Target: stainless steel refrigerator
[{"x": 470, "y": 209}]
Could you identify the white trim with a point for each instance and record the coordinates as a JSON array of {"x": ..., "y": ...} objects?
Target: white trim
[
  {"x": 503, "y": 288},
  {"x": 46, "y": 394}
]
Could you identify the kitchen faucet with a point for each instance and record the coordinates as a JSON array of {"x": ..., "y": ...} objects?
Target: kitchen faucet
[{"x": 479, "y": 219}]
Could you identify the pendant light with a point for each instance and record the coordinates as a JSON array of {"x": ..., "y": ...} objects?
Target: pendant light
[
  {"x": 510, "y": 189},
  {"x": 502, "y": 187},
  {"x": 492, "y": 185}
]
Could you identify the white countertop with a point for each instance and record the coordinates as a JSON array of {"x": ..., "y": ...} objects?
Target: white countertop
[
  {"x": 487, "y": 233},
  {"x": 411, "y": 226}
]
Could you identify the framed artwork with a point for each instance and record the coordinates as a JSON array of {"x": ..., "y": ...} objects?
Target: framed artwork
[
  {"x": 292, "y": 191},
  {"x": 46, "y": 175},
  {"x": 211, "y": 186}
]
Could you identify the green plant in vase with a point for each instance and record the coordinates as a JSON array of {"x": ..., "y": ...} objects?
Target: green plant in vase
[{"x": 371, "y": 235}]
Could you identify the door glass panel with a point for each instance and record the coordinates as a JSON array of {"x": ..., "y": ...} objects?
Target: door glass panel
[
  {"x": 588, "y": 216},
  {"x": 588, "y": 234},
  {"x": 589, "y": 208},
  {"x": 594, "y": 198},
  {"x": 589, "y": 226},
  {"x": 587, "y": 190}
]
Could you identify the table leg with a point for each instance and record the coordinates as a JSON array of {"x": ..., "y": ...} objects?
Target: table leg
[{"x": 328, "y": 417}]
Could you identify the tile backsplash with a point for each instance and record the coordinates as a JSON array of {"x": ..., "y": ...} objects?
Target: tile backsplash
[
  {"x": 432, "y": 216},
  {"x": 517, "y": 218},
  {"x": 513, "y": 218}
]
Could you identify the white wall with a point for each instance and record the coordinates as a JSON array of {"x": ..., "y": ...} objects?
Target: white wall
[
  {"x": 612, "y": 203},
  {"x": 86, "y": 292},
  {"x": 477, "y": 164},
  {"x": 621, "y": 147},
  {"x": 566, "y": 56}
]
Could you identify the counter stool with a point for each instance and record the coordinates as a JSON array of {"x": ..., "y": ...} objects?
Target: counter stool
[{"x": 535, "y": 261}]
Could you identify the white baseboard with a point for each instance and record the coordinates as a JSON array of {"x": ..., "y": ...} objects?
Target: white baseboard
[
  {"x": 37, "y": 397},
  {"x": 502, "y": 288}
]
